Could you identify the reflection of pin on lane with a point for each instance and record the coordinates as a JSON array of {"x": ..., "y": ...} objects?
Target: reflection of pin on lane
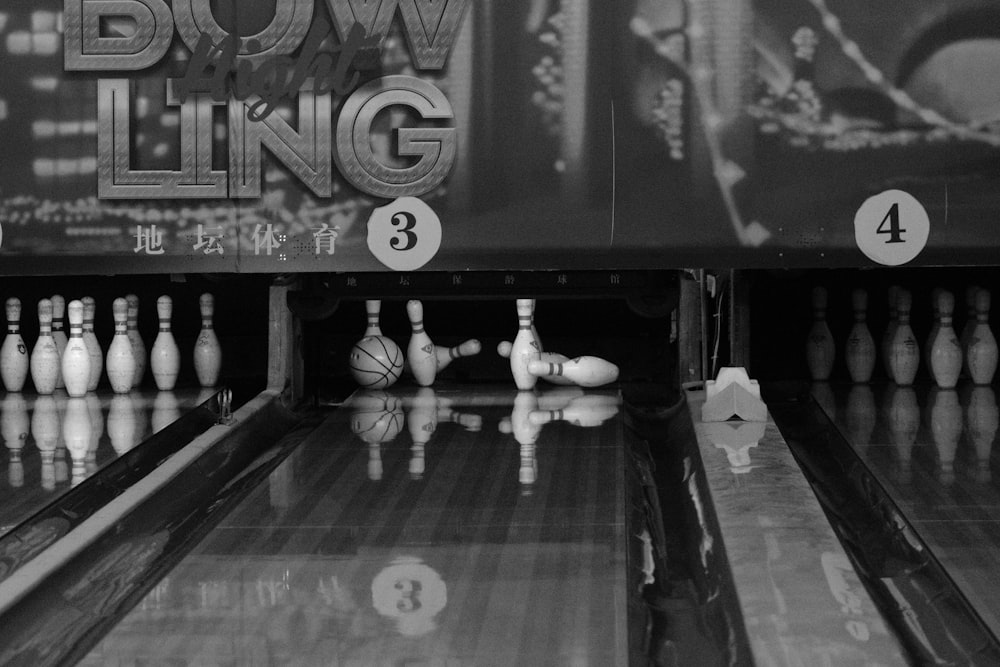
[
  {"x": 421, "y": 421},
  {"x": 589, "y": 411},
  {"x": 585, "y": 371}
]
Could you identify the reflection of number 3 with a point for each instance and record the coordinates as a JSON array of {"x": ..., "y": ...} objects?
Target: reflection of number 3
[{"x": 408, "y": 221}]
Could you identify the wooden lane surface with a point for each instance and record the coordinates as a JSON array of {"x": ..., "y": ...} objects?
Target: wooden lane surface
[
  {"x": 356, "y": 553},
  {"x": 934, "y": 451}
]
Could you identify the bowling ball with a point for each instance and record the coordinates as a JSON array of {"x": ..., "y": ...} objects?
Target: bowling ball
[{"x": 376, "y": 362}]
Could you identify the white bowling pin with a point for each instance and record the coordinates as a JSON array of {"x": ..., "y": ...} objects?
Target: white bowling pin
[
  {"x": 75, "y": 361},
  {"x": 164, "y": 358},
  {"x": 443, "y": 356},
  {"x": 373, "y": 308},
  {"x": 904, "y": 352},
  {"x": 504, "y": 347},
  {"x": 585, "y": 371},
  {"x": 524, "y": 349},
  {"x": 982, "y": 344},
  {"x": 138, "y": 347},
  {"x": 122, "y": 424},
  {"x": 120, "y": 362},
  {"x": 534, "y": 329},
  {"x": 421, "y": 421},
  {"x": 945, "y": 355},
  {"x": 58, "y": 331},
  {"x": 859, "y": 352},
  {"x": 90, "y": 340},
  {"x": 970, "y": 325},
  {"x": 207, "y": 351},
  {"x": 44, "y": 363},
  {"x": 420, "y": 351},
  {"x": 890, "y": 329},
  {"x": 820, "y": 349},
  {"x": 13, "y": 352},
  {"x": 76, "y": 435}
]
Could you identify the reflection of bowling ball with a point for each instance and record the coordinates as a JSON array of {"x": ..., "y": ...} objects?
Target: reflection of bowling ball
[
  {"x": 376, "y": 362},
  {"x": 377, "y": 416}
]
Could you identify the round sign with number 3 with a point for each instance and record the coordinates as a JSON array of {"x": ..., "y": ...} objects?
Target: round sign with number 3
[
  {"x": 405, "y": 234},
  {"x": 891, "y": 228}
]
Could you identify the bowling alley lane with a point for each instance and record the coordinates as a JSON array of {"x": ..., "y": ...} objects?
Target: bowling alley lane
[
  {"x": 55, "y": 443},
  {"x": 412, "y": 526},
  {"x": 933, "y": 452}
]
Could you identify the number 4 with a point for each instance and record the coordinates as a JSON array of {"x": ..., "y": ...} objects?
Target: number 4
[{"x": 894, "y": 231}]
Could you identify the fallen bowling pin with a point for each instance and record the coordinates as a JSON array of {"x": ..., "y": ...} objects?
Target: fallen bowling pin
[
  {"x": 444, "y": 356},
  {"x": 585, "y": 371},
  {"x": 503, "y": 349}
]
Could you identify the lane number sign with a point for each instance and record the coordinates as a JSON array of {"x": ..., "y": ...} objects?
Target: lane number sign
[
  {"x": 891, "y": 228},
  {"x": 405, "y": 234}
]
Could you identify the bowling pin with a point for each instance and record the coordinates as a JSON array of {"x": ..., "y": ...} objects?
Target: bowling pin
[
  {"x": 420, "y": 351},
  {"x": 503, "y": 349},
  {"x": 58, "y": 332},
  {"x": 44, "y": 363},
  {"x": 860, "y": 349},
  {"x": 970, "y": 325},
  {"x": 14, "y": 427},
  {"x": 904, "y": 351},
  {"x": 76, "y": 434},
  {"x": 13, "y": 352},
  {"x": 373, "y": 307},
  {"x": 534, "y": 329},
  {"x": 585, "y": 371},
  {"x": 120, "y": 362},
  {"x": 443, "y": 356},
  {"x": 93, "y": 346},
  {"x": 524, "y": 349},
  {"x": 945, "y": 355},
  {"x": 75, "y": 361},
  {"x": 421, "y": 421},
  {"x": 982, "y": 352},
  {"x": 138, "y": 347},
  {"x": 890, "y": 330},
  {"x": 165, "y": 358},
  {"x": 820, "y": 349},
  {"x": 207, "y": 351}
]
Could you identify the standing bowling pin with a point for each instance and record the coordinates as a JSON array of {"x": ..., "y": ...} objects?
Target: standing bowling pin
[
  {"x": 904, "y": 351},
  {"x": 44, "y": 362},
  {"x": 373, "y": 308},
  {"x": 525, "y": 347},
  {"x": 138, "y": 347},
  {"x": 860, "y": 349},
  {"x": 970, "y": 325},
  {"x": 443, "y": 356},
  {"x": 890, "y": 330},
  {"x": 584, "y": 371},
  {"x": 945, "y": 355},
  {"x": 13, "y": 352},
  {"x": 932, "y": 334},
  {"x": 58, "y": 332},
  {"x": 820, "y": 350},
  {"x": 982, "y": 344},
  {"x": 120, "y": 362},
  {"x": 76, "y": 358},
  {"x": 207, "y": 351},
  {"x": 165, "y": 358},
  {"x": 420, "y": 351},
  {"x": 90, "y": 340}
]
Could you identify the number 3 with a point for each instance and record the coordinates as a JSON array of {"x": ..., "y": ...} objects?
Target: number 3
[{"x": 408, "y": 221}]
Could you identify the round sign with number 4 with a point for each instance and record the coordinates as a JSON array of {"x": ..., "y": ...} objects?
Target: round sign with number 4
[
  {"x": 891, "y": 228},
  {"x": 405, "y": 234}
]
